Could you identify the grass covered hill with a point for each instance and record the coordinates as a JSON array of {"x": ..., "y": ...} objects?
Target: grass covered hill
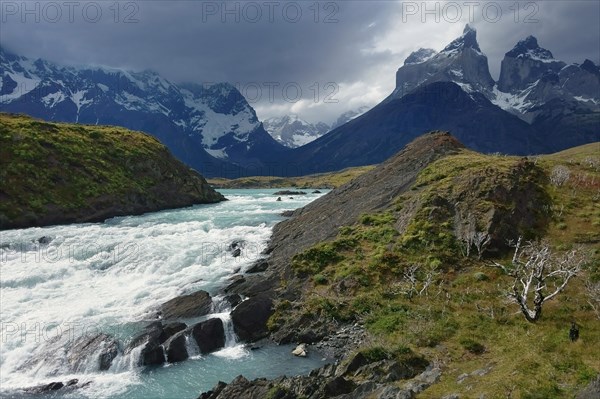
[
  {"x": 54, "y": 173},
  {"x": 411, "y": 251}
]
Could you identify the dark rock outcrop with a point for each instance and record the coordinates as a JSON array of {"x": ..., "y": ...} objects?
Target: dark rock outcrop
[
  {"x": 175, "y": 348},
  {"x": 233, "y": 300},
  {"x": 187, "y": 306},
  {"x": 152, "y": 352},
  {"x": 171, "y": 329},
  {"x": 329, "y": 381},
  {"x": 250, "y": 318},
  {"x": 209, "y": 335},
  {"x": 258, "y": 267},
  {"x": 103, "y": 347},
  {"x": 51, "y": 388}
]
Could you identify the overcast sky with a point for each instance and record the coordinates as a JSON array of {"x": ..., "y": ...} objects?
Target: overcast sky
[{"x": 339, "y": 54}]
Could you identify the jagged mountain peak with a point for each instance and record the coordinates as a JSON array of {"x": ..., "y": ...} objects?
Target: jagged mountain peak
[
  {"x": 461, "y": 62},
  {"x": 590, "y": 67},
  {"x": 529, "y": 48},
  {"x": 467, "y": 40}
]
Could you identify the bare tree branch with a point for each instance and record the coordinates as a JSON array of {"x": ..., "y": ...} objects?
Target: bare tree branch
[{"x": 533, "y": 267}]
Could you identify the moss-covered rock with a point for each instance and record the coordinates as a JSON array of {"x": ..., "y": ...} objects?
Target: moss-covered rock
[{"x": 54, "y": 173}]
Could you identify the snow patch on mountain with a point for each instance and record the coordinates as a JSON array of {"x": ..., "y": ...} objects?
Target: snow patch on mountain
[
  {"x": 216, "y": 117},
  {"x": 292, "y": 131},
  {"x": 51, "y": 100}
]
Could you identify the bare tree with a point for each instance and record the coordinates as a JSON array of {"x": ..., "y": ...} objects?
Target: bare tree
[
  {"x": 478, "y": 239},
  {"x": 416, "y": 280},
  {"x": 481, "y": 240},
  {"x": 593, "y": 293},
  {"x": 539, "y": 275},
  {"x": 560, "y": 175}
]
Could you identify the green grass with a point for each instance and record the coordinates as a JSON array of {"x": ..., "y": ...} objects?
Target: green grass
[
  {"x": 463, "y": 319},
  {"x": 52, "y": 168}
]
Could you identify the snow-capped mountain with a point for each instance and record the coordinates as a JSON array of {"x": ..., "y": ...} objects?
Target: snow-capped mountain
[
  {"x": 211, "y": 128},
  {"x": 461, "y": 62},
  {"x": 540, "y": 105},
  {"x": 531, "y": 77},
  {"x": 292, "y": 131}
]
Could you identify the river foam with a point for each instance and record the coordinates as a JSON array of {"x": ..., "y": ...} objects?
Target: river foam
[{"x": 63, "y": 282}]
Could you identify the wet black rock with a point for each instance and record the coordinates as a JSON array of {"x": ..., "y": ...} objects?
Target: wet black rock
[
  {"x": 171, "y": 329},
  {"x": 192, "y": 305},
  {"x": 258, "y": 267},
  {"x": 44, "y": 240},
  {"x": 236, "y": 248},
  {"x": 175, "y": 348},
  {"x": 233, "y": 300},
  {"x": 209, "y": 335},
  {"x": 101, "y": 346},
  {"x": 152, "y": 353},
  {"x": 250, "y": 318}
]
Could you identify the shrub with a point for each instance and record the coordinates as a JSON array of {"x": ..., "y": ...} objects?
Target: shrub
[
  {"x": 315, "y": 259},
  {"x": 472, "y": 346}
]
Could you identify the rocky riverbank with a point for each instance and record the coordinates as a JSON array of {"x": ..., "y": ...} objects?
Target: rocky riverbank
[{"x": 394, "y": 251}]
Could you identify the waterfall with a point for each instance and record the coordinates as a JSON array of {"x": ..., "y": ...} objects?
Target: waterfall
[
  {"x": 230, "y": 336},
  {"x": 192, "y": 347},
  {"x": 127, "y": 362},
  {"x": 233, "y": 348}
]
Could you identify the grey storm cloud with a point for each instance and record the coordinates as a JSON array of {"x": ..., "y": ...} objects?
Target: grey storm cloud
[{"x": 358, "y": 44}]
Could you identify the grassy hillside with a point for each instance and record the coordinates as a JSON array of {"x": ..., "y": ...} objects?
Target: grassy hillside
[
  {"x": 60, "y": 173},
  {"x": 320, "y": 180},
  {"x": 376, "y": 271}
]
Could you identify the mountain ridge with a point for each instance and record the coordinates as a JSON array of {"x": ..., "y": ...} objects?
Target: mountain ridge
[{"x": 212, "y": 128}]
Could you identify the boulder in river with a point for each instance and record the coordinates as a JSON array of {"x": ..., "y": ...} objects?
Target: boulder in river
[
  {"x": 209, "y": 335},
  {"x": 152, "y": 352},
  {"x": 236, "y": 248},
  {"x": 300, "y": 351},
  {"x": 175, "y": 348},
  {"x": 196, "y": 304},
  {"x": 100, "y": 348},
  {"x": 250, "y": 318},
  {"x": 171, "y": 329}
]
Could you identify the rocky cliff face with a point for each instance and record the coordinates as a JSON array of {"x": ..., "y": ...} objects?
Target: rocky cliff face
[
  {"x": 66, "y": 173},
  {"x": 531, "y": 78},
  {"x": 461, "y": 62},
  {"x": 525, "y": 64}
]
